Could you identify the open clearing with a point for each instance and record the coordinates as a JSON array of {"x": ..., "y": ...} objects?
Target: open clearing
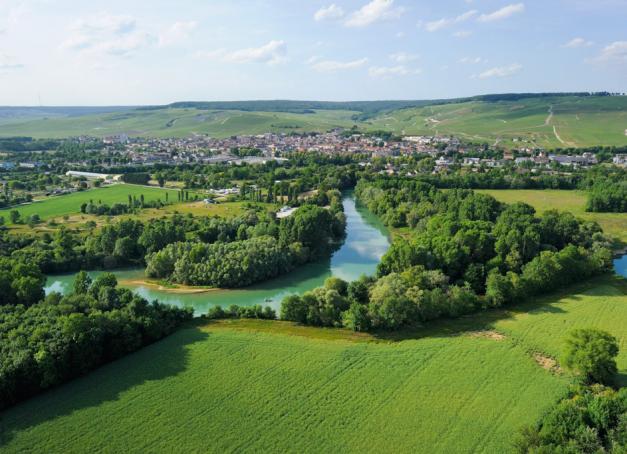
[
  {"x": 256, "y": 385},
  {"x": 69, "y": 204},
  {"x": 614, "y": 224}
]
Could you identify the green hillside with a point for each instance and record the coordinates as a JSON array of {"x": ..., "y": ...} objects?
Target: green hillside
[
  {"x": 466, "y": 385},
  {"x": 575, "y": 122},
  {"x": 178, "y": 122}
]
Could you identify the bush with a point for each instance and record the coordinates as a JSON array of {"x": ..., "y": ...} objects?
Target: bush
[{"x": 592, "y": 353}]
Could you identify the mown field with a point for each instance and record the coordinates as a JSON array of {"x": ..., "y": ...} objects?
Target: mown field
[
  {"x": 614, "y": 224},
  {"x": 576, "y": 121},
  {"x": 466, "y": 385},
  {"x": 70, "y": 204},
  {"x": 173, "y": 122}
]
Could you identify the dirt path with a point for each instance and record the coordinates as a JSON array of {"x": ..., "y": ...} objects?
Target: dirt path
[
  {"x": 557, "y": 136},
  {"x": 547, "y": 122}
]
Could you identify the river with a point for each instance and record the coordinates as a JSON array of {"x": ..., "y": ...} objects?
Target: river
[{"x": 366, "y": 241}]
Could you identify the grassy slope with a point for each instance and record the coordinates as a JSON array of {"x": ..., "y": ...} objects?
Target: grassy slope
[
  {"x": 614, "y": 224},
  {"x": 179, "y": 122},
  {"x": 578, "y": 121},
  {"x": 58, "y": 206},
  {"x": 255, "y": 385}
]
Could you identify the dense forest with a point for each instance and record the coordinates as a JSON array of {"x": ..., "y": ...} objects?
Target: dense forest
[
  {"x": 46, "y": 341},
  {"x": 466, "y": 252},
  {"x": 273, "y": 248}
]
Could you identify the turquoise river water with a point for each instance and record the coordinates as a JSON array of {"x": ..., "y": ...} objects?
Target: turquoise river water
[{"x": 366, "y": 241}]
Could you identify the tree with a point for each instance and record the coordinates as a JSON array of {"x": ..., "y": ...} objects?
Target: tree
[
  {"x": 14, "y": 215},
  {"x": 294, "y": 309},
  {"x": 592, "y": 353},
  {"x": 356, "y": 318},
  {"x": 161, "y": 179},
  {"x": 82, "y": 282}
]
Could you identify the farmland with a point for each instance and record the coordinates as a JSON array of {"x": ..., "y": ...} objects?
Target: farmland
[
  {"x": 575, "y": 122},
  {"x": 614, "y": 224},
  {"x": 176, "y": 122},
  {"x": 563, "y": 121},
  {"x": 457, "y": 386},
  {"x": 67, "y": 205}
]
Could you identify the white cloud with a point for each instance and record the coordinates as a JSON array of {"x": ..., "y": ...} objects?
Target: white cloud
[
  {"x": 389, "y": 71},
  {"x": 329, "y": 12},
  {"x": 376, "y": 10},
  {"x": 501, "y": 71},
  {"x": 403, "y": 57},
  {"x": 503, "y": 13},
  {"x": 271, "y": 53},
  {"x": 331, "y": 66},
  {"x": 177, "y": 32},
  {"x": 462, "y": 34},
  {"x": 578, "y": 42},
  {"x": 448, "y": 21},
  {"x": 472, "y": 60},
  {"x": 107, "y": 34},
  {"x": 614, "y": 52}
]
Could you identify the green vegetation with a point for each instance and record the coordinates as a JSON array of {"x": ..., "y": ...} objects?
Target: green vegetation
[
  {"x": 458, "y": 385},
  {"x": 592, "y": 354},
  {"x": 179, "y": 122},
  {"x": 70, "y": 204},
  {"x": 613, "y": 224},
  {"x": 576, "y": 121}
]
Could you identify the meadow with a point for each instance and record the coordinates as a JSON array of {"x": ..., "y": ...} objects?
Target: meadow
[
  {"x": 464, "y": 385},
  {"x": 614, "y": 224},
  {"x": 70, "y": 204}
]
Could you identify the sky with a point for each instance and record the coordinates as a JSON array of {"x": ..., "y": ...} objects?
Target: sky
[{"x": 70, "y": 52}]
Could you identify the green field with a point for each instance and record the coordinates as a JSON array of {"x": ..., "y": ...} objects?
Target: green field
[
  {"x": 578, "y": 121},
  {"x": 614, "y": 224},
  {"x": 458, "y": 386},
  {"x": 70, "y": 204},
  {"x": 171, "y": 122}
]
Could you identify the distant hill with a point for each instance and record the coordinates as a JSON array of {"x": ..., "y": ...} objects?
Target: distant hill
[{"x": 510, "y": 120}]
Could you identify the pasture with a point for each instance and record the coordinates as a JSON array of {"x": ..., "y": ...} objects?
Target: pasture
[
  {"x": 70, "y": 204},
  {"x": 614, "y": 224},
  {"x": 462, "y": 385}
]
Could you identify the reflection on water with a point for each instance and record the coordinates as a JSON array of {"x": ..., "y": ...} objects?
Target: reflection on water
[{"x": 366, "y": 241}]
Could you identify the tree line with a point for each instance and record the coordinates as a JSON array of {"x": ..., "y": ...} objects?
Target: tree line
[{"x": 47, "y": 341}]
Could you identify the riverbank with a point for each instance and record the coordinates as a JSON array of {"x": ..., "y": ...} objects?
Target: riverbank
[{"x": 365, "y": 243}]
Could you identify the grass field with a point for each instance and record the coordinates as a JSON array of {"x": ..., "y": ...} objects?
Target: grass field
[
  {"x": 255, "y": 385},
  {"x": 614, "y": 224},
  {"x": 575, "y": 122},
  {"x": 70, "y": 204}
]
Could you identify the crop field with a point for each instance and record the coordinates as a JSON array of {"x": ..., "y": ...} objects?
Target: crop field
[
  {"x": 614, "y": 224},
  {"x": 66, "y": 205},
  {"x": 463, "y": 385},
  {"x": 574, "y": 122},
  {"x": 171, "y": 122}
]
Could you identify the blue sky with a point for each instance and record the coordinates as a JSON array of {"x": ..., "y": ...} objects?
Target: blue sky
[{"x": 68, "y": 52}]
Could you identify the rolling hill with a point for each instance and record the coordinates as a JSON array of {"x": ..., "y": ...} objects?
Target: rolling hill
[{"x": 544, "y": 120}]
